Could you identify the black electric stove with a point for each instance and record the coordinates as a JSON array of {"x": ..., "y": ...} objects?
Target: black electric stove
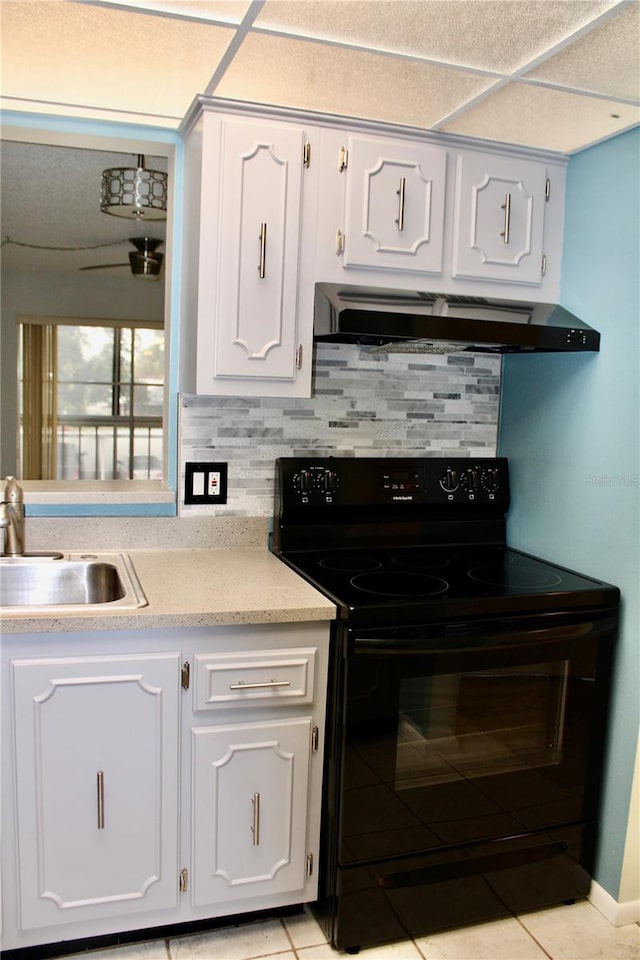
[
  {"x": 392, "y": 540},
  {"x": 467, "y": 698}
]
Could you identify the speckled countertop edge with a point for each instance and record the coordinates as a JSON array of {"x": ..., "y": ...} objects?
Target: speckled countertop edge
[{"x": 235, "y": 580}]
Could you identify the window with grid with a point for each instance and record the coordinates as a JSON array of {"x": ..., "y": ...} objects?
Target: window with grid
[{"x": 92, "y": 399}]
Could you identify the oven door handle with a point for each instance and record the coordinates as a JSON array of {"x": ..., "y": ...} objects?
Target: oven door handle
[{"x": 532, "y": 634}]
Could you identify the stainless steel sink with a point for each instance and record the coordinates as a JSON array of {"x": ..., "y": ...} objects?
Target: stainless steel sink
[{"x": 69, "y": 582}]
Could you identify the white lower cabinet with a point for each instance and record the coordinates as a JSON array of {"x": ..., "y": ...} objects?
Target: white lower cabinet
[
  {"x": 96, "y": 741},
  {"x": 174, "y": 779},
  {"x": 250, "y": 796}
]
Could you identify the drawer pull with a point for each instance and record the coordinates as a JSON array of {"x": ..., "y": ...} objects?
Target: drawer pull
[
  {"x": 255, "y": 827},
  {"x": 241, "y": 685}
]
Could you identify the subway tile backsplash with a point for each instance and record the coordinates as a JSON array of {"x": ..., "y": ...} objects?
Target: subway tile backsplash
[{"x": 365, "y": 403}]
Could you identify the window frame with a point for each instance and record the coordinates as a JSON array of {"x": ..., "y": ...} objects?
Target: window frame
[
  {"x": 118, "y": 497},
  {"x": 116, "y": 384}
]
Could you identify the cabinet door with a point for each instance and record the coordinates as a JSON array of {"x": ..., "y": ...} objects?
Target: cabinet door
[
  {"x": 96, "y": 741},
  {"x": 394, "y": 205},
  {"x": 499, "y": 219},
  {"x": 250, "y": 793},
  {"x": 258, "y": 249}
]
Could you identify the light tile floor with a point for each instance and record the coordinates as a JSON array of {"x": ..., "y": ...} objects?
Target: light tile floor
[{"x": 576, "y": 932}]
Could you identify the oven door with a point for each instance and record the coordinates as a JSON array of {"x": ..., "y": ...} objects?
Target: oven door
[{"x": 464, "y": 733}]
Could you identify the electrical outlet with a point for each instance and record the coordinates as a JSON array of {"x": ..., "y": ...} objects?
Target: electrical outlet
[{"x": 205, "y": 483}]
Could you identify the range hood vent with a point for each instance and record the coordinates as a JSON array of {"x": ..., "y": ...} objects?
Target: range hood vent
[{"x": 438, "y": 323}]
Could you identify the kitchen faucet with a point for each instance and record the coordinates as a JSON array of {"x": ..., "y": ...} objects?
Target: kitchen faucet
[{"x": 12, "y": 518}]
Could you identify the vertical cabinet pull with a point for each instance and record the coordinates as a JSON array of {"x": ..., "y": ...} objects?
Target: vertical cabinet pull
[
  {"x": 100, "y": 789},
  {"x": 506, "y": 206},
  {"x": 255, "y": 827},
  {"x": 400, "y": 195},
  {"x": 262, "y": 265}
]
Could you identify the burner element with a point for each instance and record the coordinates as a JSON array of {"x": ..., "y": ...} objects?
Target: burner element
[
  {"x": 515, "y": 576},
  {"x": 349, "y": 563},
  {"x": 389, "y": 584}
]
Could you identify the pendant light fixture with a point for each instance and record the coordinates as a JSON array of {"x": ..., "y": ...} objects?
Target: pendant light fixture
[{"x": 134, "y": 192}]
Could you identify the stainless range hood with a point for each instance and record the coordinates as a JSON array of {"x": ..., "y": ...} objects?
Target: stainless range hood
[{"x": 436, "y": 322}]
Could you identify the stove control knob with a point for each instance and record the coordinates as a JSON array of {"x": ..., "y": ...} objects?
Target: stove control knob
[
  {"x": 302, "y": 481},
  {"x": 330, "y": 481},
  {"x": 469, "y": 480},
  {"x": 489, "y": 480},
  {"x": 449, "y": 480}
]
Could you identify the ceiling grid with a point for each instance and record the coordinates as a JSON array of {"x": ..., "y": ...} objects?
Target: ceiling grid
[{"x": 569, "y": 69}]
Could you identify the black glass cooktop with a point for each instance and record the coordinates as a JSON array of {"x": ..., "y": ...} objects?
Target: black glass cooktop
[{"x": 430, "y": 582}]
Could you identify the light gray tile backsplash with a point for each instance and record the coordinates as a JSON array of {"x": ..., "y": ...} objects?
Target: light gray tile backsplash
[{"x": 364, "y": 404}]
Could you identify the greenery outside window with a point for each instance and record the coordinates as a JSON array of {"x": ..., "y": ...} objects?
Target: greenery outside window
[{"x": 91, "y": 399}]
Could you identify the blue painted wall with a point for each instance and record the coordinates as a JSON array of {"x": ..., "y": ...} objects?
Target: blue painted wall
[{"x": 570, "y": 426}]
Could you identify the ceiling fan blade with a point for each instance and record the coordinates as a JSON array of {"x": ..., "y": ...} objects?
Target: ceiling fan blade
[{"x": 104, "y": 266}]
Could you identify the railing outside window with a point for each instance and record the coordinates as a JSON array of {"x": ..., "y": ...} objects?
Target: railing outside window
[{"x": 90, "y": 450}]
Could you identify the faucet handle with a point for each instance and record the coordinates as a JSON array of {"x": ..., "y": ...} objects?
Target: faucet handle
[{"x": 12, "y": 491}]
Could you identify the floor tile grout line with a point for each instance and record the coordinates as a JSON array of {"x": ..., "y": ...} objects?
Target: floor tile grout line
[
  {"x": 534, "y": 938},
  {"x": 288, "y": 936}
]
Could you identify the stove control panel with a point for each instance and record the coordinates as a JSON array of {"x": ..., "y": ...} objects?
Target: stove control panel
[
  {"x": 368, "y": 482},
  {"x": 315, "y": 483},
  {"x": 473, "y": 480}
]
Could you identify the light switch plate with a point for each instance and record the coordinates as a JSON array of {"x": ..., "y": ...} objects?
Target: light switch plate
[{"x": 205, "y": 483}]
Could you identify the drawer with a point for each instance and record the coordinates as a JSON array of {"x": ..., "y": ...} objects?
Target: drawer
[{"x": 250, "y": 678}]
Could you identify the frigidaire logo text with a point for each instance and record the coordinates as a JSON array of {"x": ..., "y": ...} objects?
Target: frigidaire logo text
[{"x": 402, "y": 498}]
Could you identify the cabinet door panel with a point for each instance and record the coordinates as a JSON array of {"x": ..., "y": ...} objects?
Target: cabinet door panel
[
  {"x": 395, "y": 205},
  {"x": 259, "y": 250},
  {"x": 250, "y": 801},
  {"x": 97, "y": 769},
  {"x": 499, "y": 219}
]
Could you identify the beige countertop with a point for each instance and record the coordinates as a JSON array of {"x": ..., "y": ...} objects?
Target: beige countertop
[{"x": 187, "y": 585}]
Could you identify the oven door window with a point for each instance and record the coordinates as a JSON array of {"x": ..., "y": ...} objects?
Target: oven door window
[
  {"x": 460, "y": 726},
  {"x": 444, "y": 748}
]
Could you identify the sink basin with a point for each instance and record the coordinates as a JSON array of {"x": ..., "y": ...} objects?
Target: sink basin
[{"x": 74, "y": 581}]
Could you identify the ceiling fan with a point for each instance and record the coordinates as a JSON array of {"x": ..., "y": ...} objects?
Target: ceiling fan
[{"x": 144, "y": 261}]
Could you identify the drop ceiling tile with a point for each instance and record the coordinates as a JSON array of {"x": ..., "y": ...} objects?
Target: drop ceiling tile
[
  {"x": 79, "y": 54},
  {"x": 224, "y": 11},
  {"x": 607, "y": 60},
  {"x": 498, "y": 35},
  {"x": 543, "y": 117},
  {"x": 318, "y": 77}
]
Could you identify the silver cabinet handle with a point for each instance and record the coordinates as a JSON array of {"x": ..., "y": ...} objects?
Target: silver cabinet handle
[
  {"x": 241, "y": 685},
  {"x": 255, "y": 827},
  {"x": 262, "y": 237},
  {"x": 400, "y": 195},
  {"x": 506, "y": 206},
  {"x": 100, "y": 787}
]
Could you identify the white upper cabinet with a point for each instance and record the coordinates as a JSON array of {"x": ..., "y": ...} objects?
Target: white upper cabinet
[
  {"x": 253, "y": 322},
  {"x": 499, "y": 218},
  {"x": 274, "y": 206},
  {"x": 394, "y": 208}
]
